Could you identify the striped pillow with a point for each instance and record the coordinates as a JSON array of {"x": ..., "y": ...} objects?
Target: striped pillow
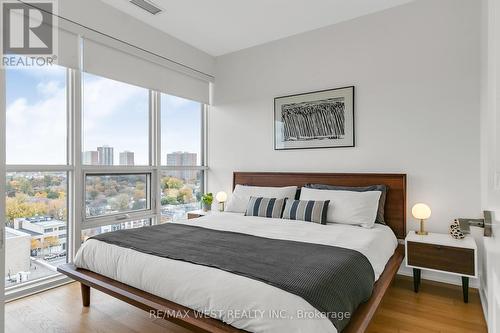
[
  {"x": 265, "y": 207},
  {"x": 306, "y": 210}
]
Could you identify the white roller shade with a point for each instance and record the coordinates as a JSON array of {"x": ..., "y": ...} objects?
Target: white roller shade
[
  {"x": 113, "y": 63},
  {"x": 67, "y": 49}
]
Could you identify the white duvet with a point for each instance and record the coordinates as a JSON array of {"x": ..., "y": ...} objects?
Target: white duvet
[{"x": 239, "y": 301}]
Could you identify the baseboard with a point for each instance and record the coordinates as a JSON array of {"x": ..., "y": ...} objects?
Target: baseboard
[
  {"x": 439, "y": 277},
  {"x": 484, "y": 303}
]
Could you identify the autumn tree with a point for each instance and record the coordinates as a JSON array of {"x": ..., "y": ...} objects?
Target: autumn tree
[
  {"x": 175, "y": 183},
  {"x": 19, "y": 207}
]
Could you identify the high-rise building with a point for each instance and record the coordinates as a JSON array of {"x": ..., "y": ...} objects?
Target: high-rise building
[
  {"x": 90, "y": 157},
  {"x": 127, "y": 158},
  {"x": 105, "y": 155},
  {"x": 180, "y": 158}
]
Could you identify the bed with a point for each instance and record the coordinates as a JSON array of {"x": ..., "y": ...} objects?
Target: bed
[{"x": 107, "y": 267}]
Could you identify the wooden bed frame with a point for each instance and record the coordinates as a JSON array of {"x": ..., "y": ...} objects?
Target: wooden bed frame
[{"x": 395, "y": 215}]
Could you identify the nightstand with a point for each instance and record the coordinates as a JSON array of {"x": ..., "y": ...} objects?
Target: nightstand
[
  {"x": 442, "y": 253},
  {"x": 194, "y": 214}
]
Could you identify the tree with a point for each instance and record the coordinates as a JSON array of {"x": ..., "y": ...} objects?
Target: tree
[
  {"x": 57, "y": 209},
  {"x": 120, "y": 202},
  {"x": 176, "y": 183},
  {"x": 36, "y": 244},
  {"x": 50, "y": 241},
  {"x": 185, "y": 195},
  {"x": 139, "y": 194},
  {"x": 25, "y": 186},
  {"x": 19, "y": 207},
  {"x": 41, "y": 194},
  {"x": 47, "y": 180},
  {"x": 9, "y": 187},
  {"x": 93, "y": 194},
  {"x": 52, "y": 195},
  {"x": 169, "y": 201}
]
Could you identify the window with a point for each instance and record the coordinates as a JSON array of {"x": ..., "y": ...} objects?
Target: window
[
  {"x": 37, "y": 215},
  {"x": 181, "y": 128},
  {"x": 181, "y": 191},
  {"x": 114, "y": 194},
  {"x": 128, "y": 176},
  {"x": 36, "y": 115},
  {"x": 182, "y": 180},
  {"x": 115, "y": 122}
]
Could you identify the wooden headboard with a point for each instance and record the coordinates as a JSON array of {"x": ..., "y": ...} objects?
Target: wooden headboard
[{"x": 395, "y": 205}]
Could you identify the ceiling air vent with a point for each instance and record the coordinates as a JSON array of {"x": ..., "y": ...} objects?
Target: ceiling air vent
[{"x": 147, "y": 6}]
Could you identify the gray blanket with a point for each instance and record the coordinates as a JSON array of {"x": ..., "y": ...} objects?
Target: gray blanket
[{"x": 333, "y": 280}]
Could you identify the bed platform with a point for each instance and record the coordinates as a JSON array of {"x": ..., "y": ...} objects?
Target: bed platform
[{"x": 395, "y": 215}]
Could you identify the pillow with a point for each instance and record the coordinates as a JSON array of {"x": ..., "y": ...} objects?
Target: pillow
[
  {"x": 265, "y": 207},
  {"x": 381, "y": 202},
  {"x": 347, "y": 207},
  {"x": 306, "y": 210},
  {"x": 242, "y": 193}
]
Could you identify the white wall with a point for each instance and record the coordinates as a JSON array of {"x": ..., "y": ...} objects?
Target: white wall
[
  {"x": 416, "y": 72},
  {"x": 490, "y": 158},
  {"x": 490, "y": 103},
  {"x": 106, "y": 19}
]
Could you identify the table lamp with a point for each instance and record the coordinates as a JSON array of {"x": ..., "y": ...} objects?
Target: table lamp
[
  {"x": 422, "y": 212},
  {"x": 221, "y": 197}
]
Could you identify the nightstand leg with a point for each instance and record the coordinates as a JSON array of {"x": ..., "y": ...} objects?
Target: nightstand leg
[
  {"x": 465, "y": 288},
  {"x": 416, "y": 279}
]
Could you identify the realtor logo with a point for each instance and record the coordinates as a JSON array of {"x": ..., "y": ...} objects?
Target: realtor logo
[{"x": 29, "y": 33}]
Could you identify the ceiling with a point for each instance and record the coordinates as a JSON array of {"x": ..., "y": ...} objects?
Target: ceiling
[{"x": 223, "y": 26}]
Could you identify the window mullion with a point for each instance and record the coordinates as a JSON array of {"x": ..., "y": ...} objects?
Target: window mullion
[
  {"x": 76, "y": 177},
  {"x": 156, "y": 144}
]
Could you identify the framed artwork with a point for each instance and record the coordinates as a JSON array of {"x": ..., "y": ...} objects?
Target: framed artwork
[{"x": 320, "y": 119}]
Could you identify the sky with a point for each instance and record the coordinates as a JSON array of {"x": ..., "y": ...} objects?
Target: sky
[{"x": 114, "y": 114}]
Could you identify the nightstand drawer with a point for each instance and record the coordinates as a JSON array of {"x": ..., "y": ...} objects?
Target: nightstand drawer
[{"x": 440, "y": 257}]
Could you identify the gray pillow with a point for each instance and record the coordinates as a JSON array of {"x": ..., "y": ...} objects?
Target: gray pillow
[
  {"x": 265, "y": 207},
  {"x": 306, "y": 210},
  {"x": 381, "y": 202}
]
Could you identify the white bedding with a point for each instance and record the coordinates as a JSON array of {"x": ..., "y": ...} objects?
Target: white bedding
[{"x": 239, "y": 301}]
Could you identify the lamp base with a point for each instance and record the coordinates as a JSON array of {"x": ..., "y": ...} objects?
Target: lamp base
[{"x": 421, "y": 232}]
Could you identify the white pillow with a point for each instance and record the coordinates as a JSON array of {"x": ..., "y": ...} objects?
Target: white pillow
[
  {"x": 242, "y": 193},
  {"x": 347, "y": 207}
]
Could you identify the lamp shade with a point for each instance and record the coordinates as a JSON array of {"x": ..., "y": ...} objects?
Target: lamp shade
[
  {"x": 421, "y": 211},
  {"x": 221, "y": 196}
]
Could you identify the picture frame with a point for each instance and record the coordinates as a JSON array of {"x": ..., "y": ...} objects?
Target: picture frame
[{"x": 312, "y": 120}]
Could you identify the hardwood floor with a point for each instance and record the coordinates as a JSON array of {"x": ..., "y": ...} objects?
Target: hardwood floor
[{"x": 436, "y": 308}]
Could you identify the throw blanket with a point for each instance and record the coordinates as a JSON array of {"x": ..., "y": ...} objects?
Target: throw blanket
[{"x": 333, "y": 280}]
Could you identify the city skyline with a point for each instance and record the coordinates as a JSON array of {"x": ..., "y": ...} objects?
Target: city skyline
[{"x": 104, "y": 155}]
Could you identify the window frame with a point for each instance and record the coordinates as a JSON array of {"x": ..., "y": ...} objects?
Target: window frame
[
  {"x": 104, "y": 220},
  {"x": 203, "y": 167},
  {"x": 76, "y": 172},
  {"x": 34, "y": 286}
]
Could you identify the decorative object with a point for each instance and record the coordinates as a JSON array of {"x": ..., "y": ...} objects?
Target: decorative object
[
  {"x": 321, "y": 119},
  {"x": 206, "y": 201},
  {"x": 421, "y": 212},
  {"x": 455, "y": 231},
  {"x": 221, "y": 197}
]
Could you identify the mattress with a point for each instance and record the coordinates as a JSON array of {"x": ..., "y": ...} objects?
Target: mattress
[{"x": 239, "y": 301}]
